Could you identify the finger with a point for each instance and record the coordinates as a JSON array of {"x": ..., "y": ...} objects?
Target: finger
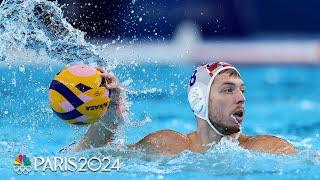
[
  {"x": 100, "y": 69},
  {"x": 111, "y": 79},
  {"x": 112, "y": 85},
  {"x": 108, "y": 76}
]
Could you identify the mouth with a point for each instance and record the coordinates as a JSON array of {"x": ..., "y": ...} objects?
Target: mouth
[{"x": 238, "y": 116}]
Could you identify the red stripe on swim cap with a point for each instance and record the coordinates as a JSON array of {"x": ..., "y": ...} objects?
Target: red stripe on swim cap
[{"x": 212, "y": 67}]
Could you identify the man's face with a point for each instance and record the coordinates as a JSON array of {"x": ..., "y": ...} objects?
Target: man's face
[{"x": 226, "y": 103}]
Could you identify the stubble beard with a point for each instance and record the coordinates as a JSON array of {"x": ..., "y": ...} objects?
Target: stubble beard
[{"x": 216, "y": 118}]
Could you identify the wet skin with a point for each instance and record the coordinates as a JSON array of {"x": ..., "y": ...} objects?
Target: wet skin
[
  {"x": 226, "y": 98},
  {"x": 226, "y": 112}
]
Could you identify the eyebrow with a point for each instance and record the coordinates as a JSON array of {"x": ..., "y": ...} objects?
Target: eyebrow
[{"x": 233, "y": 84}]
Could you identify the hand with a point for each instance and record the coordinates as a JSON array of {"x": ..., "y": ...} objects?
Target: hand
[
  {"x": 113, "y": 85},
  {"x": 102, "y": 132}
]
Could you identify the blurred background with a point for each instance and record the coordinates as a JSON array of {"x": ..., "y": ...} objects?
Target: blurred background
[
  {"x": 239, "y": 31},
  {"x": 158, "y": 19},
  {"x": 246, "y": 31}
]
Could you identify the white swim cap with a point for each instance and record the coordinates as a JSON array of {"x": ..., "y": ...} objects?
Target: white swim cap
[{"x": 199, "y": 89}]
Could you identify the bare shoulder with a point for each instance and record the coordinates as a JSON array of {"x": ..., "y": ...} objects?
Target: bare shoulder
[
  {"x": 165, "y": 142},
  {"x": 267, "y": 143}
]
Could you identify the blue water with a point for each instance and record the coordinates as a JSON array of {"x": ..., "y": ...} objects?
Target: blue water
[{"x": 281, "y": 100}]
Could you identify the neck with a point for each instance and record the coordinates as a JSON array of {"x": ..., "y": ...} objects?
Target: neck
[{"x": 206, "y": 134}]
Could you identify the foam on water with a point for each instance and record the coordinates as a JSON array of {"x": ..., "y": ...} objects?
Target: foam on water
[{"x": 226, "y": 158}]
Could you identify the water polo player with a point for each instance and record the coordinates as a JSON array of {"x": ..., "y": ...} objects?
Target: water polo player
[{"x": 216, "y": 96}]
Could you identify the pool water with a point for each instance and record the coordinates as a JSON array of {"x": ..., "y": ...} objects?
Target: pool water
[{"x": 281, "y": 100}]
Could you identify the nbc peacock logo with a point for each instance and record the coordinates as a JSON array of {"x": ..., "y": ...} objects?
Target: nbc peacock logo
[{"x": 22, "y": 164}]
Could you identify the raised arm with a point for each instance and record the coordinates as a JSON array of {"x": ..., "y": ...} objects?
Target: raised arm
[{"x": 102, "y": 132}]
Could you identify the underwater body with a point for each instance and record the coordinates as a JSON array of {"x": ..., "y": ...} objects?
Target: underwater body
[{"x": 281, "y": 101}]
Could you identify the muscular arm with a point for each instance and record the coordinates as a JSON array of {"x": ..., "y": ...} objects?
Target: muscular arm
[
  {"x": 268, "y": 144},
  {"x": 101, "y": 132},
  {"x": 168, "y": 142},
  {"x": 164, "y": 142}
]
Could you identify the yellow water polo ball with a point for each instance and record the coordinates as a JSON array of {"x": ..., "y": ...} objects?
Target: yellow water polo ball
[{"x": 78, "y": 95}]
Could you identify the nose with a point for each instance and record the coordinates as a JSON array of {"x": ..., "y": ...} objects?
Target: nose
[{"x": 240, "y": 97}]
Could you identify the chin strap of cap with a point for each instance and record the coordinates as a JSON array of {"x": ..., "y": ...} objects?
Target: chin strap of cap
[{"x": 214, "y": 129}]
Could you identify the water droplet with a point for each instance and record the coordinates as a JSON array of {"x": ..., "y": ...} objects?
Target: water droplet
[
  {"x": 22, "y": 69},
  {"x": 140, "y": 19},
  {"x": 14, "y": 82}
]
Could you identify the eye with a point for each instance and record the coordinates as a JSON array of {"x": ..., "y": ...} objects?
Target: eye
[
  {"x": 228, "y": 90},
  {"x": 243, "y": 91}
]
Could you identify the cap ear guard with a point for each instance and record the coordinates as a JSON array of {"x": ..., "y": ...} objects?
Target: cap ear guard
[
  {"x": 196, "y": 99},
  {"x": 196, "y": 93}
]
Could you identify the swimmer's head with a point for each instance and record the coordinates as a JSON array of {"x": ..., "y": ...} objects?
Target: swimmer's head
[{"x": 215, "y": 95}]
